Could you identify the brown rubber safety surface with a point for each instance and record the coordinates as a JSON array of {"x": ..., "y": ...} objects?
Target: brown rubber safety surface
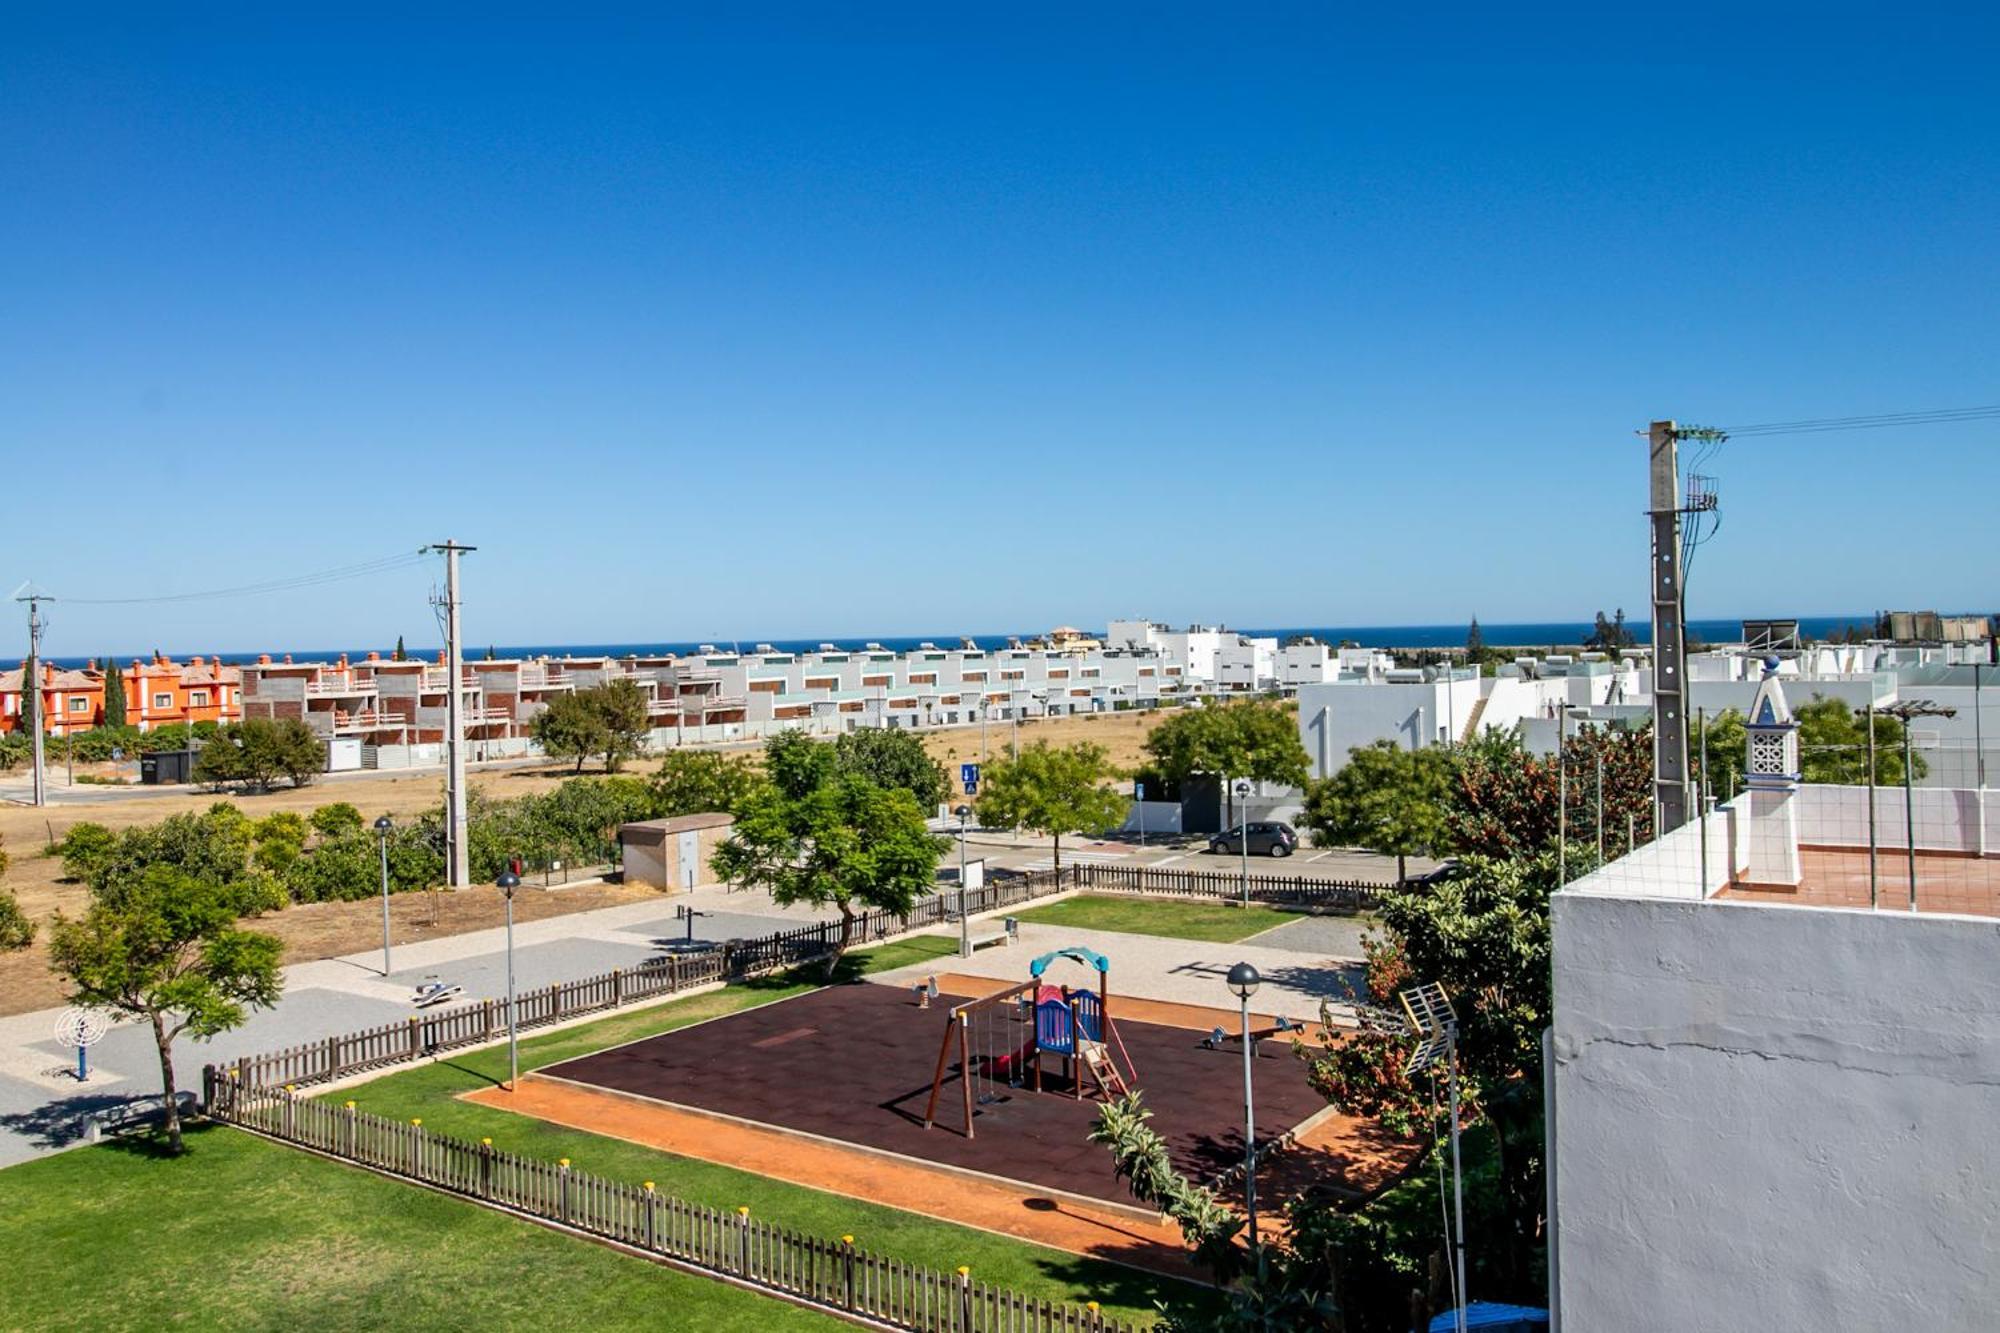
[{"x": 854, "y": 1064}]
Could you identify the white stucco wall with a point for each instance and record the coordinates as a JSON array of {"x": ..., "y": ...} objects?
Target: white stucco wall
[{"x": 1775, "y": 1117}]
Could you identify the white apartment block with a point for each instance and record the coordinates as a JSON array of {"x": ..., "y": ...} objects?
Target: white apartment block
[{"x": 1235, "y": 662}]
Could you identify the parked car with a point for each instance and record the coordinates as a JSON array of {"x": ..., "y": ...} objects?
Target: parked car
[{"x": 1265, "y": 840}]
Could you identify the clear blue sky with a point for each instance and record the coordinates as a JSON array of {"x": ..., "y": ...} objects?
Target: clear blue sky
[{"x": 909, "y": 321}]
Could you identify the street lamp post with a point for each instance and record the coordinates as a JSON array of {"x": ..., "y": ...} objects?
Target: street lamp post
[
  {"x": 1244, "y": 980},
  {"x": 1243, "y": 833},
  {"x": 964, "y": 919},
  {"x": 507, "y": 883},
  {"x": 383, "y": 827}
]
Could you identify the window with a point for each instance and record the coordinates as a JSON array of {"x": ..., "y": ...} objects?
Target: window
[
  {"x": 163, "y": 701},
  {"x": 79, "y": 705},
  {"x": 197, "y": 698}
]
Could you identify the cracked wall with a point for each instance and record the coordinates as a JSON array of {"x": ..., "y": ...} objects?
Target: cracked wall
[{"x": 1775, "y": 1117}]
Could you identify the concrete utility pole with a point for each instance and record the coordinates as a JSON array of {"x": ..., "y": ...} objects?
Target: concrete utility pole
[
  {"x": 31, "y": 690},
  {"x": 1670, "y": 739},
  {"x": 457, "y": 870}
]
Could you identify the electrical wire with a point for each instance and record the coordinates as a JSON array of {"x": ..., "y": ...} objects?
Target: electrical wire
[
  {"x": 1878, "y": 421},
  {"x": 365, "y": 569}
]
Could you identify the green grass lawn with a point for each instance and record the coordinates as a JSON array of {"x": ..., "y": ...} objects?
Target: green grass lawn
[
  {"x": 245, "y": 1234},
  {"x": 1213, "y": 922},
  {"x": 432, "y": 1092}
]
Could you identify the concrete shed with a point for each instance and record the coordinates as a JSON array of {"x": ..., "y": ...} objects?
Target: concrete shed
[{"x": 672, "y": 854}]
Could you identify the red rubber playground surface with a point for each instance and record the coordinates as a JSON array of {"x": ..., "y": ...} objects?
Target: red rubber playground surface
[{"x": 854, "y": 1064}]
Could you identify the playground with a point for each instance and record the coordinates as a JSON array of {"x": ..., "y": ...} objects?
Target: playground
[{"x": 834, "y": 1088}]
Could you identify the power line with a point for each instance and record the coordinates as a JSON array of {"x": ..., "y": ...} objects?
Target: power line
[
  {"x": 338, "y": 574},
  {"x": 1878, "y": 421}
]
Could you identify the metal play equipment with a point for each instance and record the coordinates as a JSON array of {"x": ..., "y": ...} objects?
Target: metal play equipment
[
  {"x": 83, "y": 1029},
  {"x": 1074, "y": 1025}
]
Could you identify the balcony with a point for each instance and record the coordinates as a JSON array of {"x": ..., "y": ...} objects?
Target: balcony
[
  {"x": 436, "y": 679},
  {"x": 533, "y": 678},
  {"x": 365, "y": 719},
  {"x": 331, "y": 683}
]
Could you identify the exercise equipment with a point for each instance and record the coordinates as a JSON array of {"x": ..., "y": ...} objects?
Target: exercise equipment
[
  {"x": 435, "y": 992},
  {"x": 1280, "y": 1026},
  {"x": 1074, "y": 1026}
]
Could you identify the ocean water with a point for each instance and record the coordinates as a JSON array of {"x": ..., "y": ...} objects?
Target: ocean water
[{"x": 1531, "y": 634}]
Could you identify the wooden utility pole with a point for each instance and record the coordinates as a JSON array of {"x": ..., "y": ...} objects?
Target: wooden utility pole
[{"x": 1670, "y": 736}]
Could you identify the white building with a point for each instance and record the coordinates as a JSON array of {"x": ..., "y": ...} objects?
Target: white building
[{"x": 1773, "y": 1103}]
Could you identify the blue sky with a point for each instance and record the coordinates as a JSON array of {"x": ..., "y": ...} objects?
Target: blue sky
[{"x": 901, "y": 320}]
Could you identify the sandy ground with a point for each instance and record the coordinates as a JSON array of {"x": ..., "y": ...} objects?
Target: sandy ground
[{"x": 1122, "y": 734}]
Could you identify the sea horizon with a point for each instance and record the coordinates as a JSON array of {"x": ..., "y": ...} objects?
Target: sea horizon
[{"x": 1498, "y": 634}]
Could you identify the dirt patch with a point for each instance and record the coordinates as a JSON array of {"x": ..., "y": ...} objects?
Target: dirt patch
[{"x": 1122, "y": 734}]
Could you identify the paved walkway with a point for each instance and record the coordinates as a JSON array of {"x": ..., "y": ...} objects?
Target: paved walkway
[
  {"x": 1151, "y": 967},
  {"x": 43, "y": 1108}
]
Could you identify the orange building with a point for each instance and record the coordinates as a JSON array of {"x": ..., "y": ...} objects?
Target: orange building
[{"x": 159, "y": 692}]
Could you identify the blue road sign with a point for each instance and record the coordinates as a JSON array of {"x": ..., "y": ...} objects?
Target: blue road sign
[
  {"x": 1138, "y": 791},
  {"x": 968, "y": 775}
]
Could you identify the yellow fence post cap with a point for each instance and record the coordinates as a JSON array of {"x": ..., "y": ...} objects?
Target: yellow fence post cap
[
  {"x": 1090, "y": 1306},
  {"x": 649, "y": 1187},
  {"x": 964, "y": 1271},
  {"x": 416, "y": 1120},
  {"x": 743, "y": 1210},
  {"x": 847, "y": 1240},
  {"x": 350, "y": 1103},
  {"x": 487, "y": 1142},
  {"x": 565, "y": 1163}
]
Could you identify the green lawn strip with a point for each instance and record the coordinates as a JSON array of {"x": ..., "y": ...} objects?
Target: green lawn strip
[
  {"x": 432, "y": 1093},
  {"x": 246, "y": 1234},
  {"x": 1166, "y": 917}
]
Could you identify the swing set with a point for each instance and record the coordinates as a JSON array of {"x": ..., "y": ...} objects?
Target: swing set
[{"x": 993, "y": 1055}]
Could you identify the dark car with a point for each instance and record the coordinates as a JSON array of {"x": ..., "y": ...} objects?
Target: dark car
[{"x": 1265, "y": 840}]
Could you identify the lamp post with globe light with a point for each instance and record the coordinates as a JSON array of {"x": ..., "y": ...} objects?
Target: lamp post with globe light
[
  {"x": 1244, "y": 980},
  {"x": 383, "y": 828},
  {"x": 507, "y": 883}
]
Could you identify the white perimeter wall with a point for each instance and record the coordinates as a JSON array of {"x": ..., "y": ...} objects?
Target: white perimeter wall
[{"x": 1775, "y": 1118}]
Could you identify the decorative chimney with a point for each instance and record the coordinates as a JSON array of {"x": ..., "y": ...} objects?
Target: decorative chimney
[{"x": 1772, "y": 774}]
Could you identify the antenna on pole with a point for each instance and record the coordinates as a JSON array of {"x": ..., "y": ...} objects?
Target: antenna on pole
[
  {"x": 31, "y": 684},
  {"x": 1433, "y": 1019}
]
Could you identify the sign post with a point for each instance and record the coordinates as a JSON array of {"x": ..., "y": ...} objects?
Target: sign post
[{"x": 1139, "y": 799}]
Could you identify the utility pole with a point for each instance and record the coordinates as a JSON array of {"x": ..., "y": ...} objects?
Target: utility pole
[
  {"x": 1670, "y": 740},
  {"x": 31, "y": 691},
  {"x": 457, "y": 868}
]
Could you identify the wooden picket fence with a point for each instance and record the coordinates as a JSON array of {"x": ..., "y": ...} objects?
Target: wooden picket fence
[{"x": 833, "y": 1275}]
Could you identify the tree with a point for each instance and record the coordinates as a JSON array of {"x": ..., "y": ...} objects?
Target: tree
[
  {"x": 16, "y": 931},
  {"x": 608, "y": 719},
  {"x": 1475, "y": 643},
  {"x": 829, "y": 839},
  {"x": 692, "y": 782},
  {"x": 164, "y": 946},
  {"x": 1610, "y": 635},
  {"x": 31, "y": 696},
  {"x": 1506, "y": 802},
  {"x": 1833, "y": 746},
  {"x": 1725, "y": 748},
  {"x": 1386, "y": 798},
  {"x": 621, "y": 708},
  {"x": 892, "y": 758},
  {"x": 1246, "y": 738},
  {"x": 569, "y": 728},
  {"x": 258, "y": 751},
  {"x": 1052, "y": 790},
  {"x": 400, "y": 655},
  {"x": 114, "y": 694}
]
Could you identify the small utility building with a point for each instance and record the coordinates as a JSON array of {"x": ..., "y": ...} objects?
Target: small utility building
[{"x": 672, "y": 854}]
